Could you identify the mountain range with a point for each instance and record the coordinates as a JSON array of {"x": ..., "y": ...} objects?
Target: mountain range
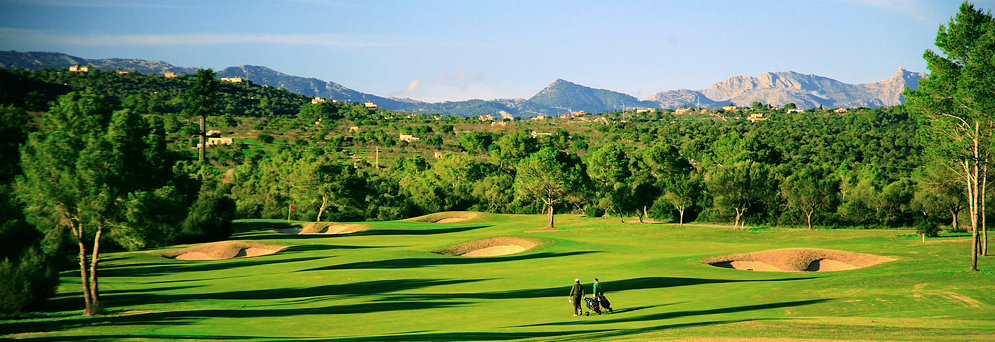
[{"x": 776, "y": 88}]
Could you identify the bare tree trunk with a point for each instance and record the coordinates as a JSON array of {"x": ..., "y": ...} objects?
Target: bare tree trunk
[
  {"x": 808, "y": 218},
  {"x": 645, "y": 215},
  {"x": 971, "y": 177},
  {"x": 324, "y": 201},
  {"x": 953, "y": 223},
  {"x": 983, "y": 248},
  {"x": 550, "y": 215},
  {"x": 203, "y": 137},
  {"x": 681, "y": 211},
  {"x": 78, "y": 235},
  {"x": 739, "y": 213},
  {"x": 94, "y": 293}
]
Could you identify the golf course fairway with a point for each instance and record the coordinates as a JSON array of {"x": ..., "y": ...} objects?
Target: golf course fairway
[{"x": 389, "y": 282}]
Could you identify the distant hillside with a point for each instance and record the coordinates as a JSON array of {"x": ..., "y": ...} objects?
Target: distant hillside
[
  {"x": 53, "y": 60},
  {"x": 257, "y": 74},
  {"x": 776, "y": 88},
  {"x": 682, "y": 98},
  {"x": 809, "y": 91},
  {"x": 310, "y": 86},
  {"x": 570, "y": 96},
  {"x": 497, "y": 108}
]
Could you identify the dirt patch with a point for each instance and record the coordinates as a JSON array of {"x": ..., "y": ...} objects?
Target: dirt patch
[
  {"x": 646, "y": 221},
  {"x": 223, "y": 250},
  {"x": 445, "y": 217},
  {"x": 797, "y": 260},
  {"x": 490, "y": 247}
]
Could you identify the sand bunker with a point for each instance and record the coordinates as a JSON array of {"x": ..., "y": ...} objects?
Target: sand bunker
[
  {"x": 319, "y": 228},
  {"x": 224, "y": 250},
  {"x": 330, "y": 228},
  {"x": 490, "y": 247},
  {"x": 445, "y": 217},
  {"x": 797, "y": 260}
]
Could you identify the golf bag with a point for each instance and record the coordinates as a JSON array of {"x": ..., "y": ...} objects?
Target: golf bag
[
  {"x": 593, "y": 305},
  {"x": 604, "y": 303}
]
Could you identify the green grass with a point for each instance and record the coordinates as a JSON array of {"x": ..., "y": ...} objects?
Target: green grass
[{"x": 385, "y": 284}]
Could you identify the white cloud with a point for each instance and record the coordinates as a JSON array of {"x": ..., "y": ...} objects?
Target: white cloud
[
  {"x": 408, "y": 91},
  {"x": 455, "y": 84},
  {"x": 460, "y": 79}
]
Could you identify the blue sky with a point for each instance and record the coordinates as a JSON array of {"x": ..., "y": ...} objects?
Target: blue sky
[{"x": 465, "y": 49}]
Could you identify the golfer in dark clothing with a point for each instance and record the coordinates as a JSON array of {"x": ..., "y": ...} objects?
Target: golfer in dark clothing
[{"x": 576, "y": 297}]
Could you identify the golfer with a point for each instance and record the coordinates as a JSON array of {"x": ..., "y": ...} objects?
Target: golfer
[
  {"x": 599, "y": 294},
  {"x": 576, "y": 296}
]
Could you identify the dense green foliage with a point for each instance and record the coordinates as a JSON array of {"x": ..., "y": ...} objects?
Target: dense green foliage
[
  {"x": 957, "y": 108},
  {"x": 108, "y": 154}
]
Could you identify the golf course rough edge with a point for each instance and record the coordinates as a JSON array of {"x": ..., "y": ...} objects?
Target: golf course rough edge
[
  {"x": 497, "y": 246},
  {"x": 223, "y": 250},
  {"x": 445, "y": 217},
  {"x": 797, "y": 260}
]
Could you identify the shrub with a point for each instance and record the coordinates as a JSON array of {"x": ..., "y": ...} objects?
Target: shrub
[
  {"x": 209, "y": 218},
  {"x": 927, "y": 227},
  {"x": 264, "y": 138},
  {"x": 593, "y": 211},
  {"x": 26, "y": 281}
]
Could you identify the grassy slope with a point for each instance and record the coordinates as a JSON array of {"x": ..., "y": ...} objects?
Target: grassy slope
[{"x": 383, "y": 284}]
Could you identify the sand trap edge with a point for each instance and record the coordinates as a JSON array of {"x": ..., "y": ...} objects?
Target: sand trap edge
[
  {"x": 496, "y": 246},
  {"x": 797, "y": 260},
  {"x": 223, "y": 250},
  {"x": 445, "y": 217}
]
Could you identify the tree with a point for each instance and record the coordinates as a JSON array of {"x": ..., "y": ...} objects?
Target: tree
[
  {"x": 512, "y": 148},
  {"x": 790, "y": 105},
  {"x": 475, "y": 142},
  {"x": 741, "y": 186},
  {"x": 608, "y": 167},
  {"x": 938, "y": 195},
  {"x": 202, "y": 101},
  {"x": 956, "y": 106},
  {"x": 812, "y": 189},
  {"x": 684, "y": 191},
  {"x": 654, "y": 168},
  {"x": 13, "y": 132},
  {"x": 548, "y": 175},
  {"x": 81, "y": 170},
  {"x": 455, "y": 174}
]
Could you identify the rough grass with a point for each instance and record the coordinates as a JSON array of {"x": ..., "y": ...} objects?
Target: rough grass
[{"x": 797, "y": 260}]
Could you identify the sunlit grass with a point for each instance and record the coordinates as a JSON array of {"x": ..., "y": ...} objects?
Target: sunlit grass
[{"x": 389, "y": 283}]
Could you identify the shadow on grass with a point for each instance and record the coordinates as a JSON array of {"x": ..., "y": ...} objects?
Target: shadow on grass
[
  {"x": 440, "y": 261},
  {"x": 165, "y": 268},
  {"x": 505, "y": 336},
  {"x": 563, "y": 291},
  {"x": 191, "y": 316},
  {"x": 314, "y": 293},
  {"x": 432, "y": 231},
  {"x": 688, "y": 313},
  {"x": 417, "y": 336}
]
